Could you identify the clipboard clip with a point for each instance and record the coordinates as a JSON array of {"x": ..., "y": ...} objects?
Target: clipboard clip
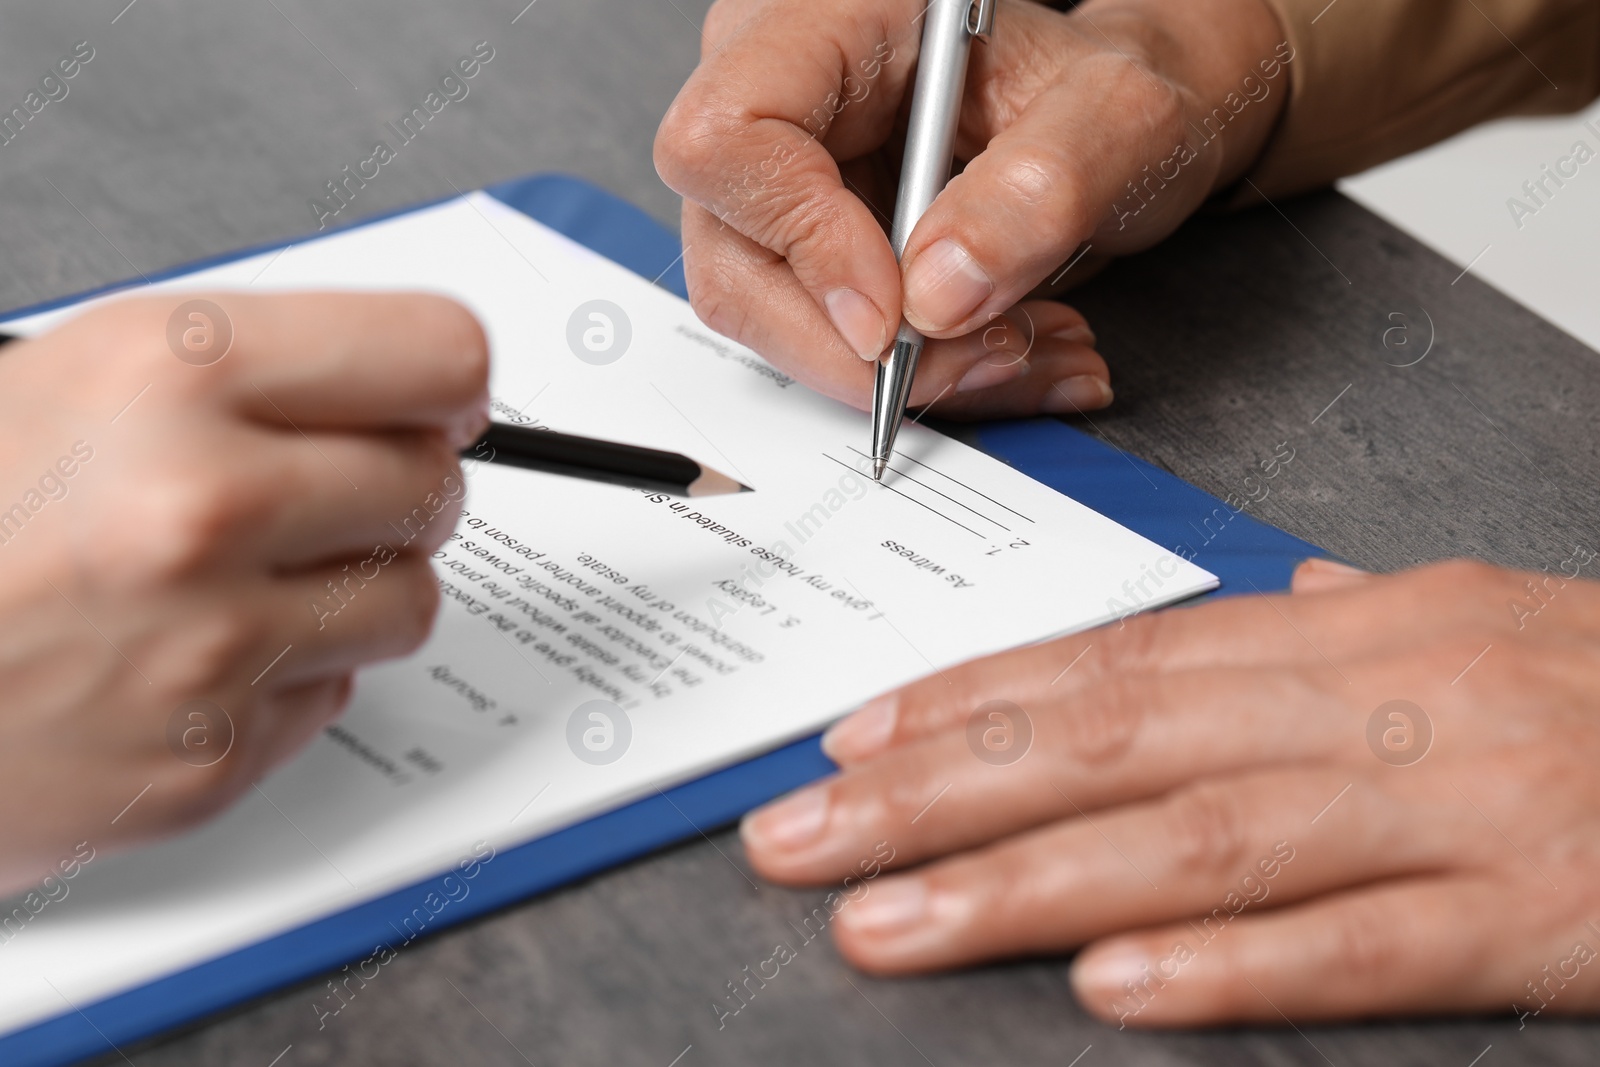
[{"x": 980, "y": 19}]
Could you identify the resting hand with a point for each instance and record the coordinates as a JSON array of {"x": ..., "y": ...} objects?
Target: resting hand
[
  {"x": 207, "y": 528},
  {"x": 1218, "y": 803},
  {"x": 785, "y": 145}
]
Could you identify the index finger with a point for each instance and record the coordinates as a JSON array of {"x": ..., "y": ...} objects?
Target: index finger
[
  {"x": 330, "y": 360},
  {"x": 755, "y": 135},
  {"x": 1251, "y": 629}
]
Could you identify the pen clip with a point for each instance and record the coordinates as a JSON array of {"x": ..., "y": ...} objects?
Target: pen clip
[{"x": 980, "y": 18}]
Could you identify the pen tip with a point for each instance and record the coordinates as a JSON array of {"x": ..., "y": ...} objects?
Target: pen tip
[
  {"x": 715, "y": 483},
  {"x": 877, "y": 469}
]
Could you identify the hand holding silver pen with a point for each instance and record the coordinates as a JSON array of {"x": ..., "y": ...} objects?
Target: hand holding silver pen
[{"x": 787, "y": 140}]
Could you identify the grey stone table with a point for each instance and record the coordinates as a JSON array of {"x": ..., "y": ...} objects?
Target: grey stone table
[{"x": 201, "y": 127}]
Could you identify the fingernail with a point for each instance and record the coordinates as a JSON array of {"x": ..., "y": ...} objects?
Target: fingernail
[
  {"x": 470, "y": 427},
  {"x": 862, "y": 733},
  {"x": 1079, "y": 334},
  {"x": 1083, "y": 393},
  {"x": 857, "y": 321},
  {"x": 996, "y": 368},
  {"x": 888, "y": 907},
  {"x": 1109, "y": 971},
  {"x": 944, "y": 286},
  {"x": 792, "y": 822}
]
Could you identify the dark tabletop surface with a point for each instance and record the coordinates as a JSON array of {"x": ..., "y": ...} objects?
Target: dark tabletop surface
[{"x": 202, "y": 127}]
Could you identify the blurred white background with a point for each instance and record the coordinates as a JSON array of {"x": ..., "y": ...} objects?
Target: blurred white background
[{"x": 1453, "y": 197}]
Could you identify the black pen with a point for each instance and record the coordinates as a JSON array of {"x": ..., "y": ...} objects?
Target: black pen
[
  {"x": 590, "y": 458},
  {"x": 599, "y": 461}
]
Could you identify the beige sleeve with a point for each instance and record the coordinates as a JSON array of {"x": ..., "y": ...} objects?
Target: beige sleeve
[{"x": 1375, "y": 79}]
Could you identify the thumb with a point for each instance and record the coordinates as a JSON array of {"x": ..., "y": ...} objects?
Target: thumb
[{"x": 1042, "y": 187}]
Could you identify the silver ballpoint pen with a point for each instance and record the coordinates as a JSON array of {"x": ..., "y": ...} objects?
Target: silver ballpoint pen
[{"x": 947, "y": 37}]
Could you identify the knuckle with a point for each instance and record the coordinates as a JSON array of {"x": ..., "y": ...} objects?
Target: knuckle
[
  {"x": 336, "y": 698},
  {"x": 1137, "y": 644},
  {"x": 668, "y": 151},
  {"x": 789, "y": 229},
  {"x": 1101, "y": 725},
  {"x": 1140, "y": 91},
  {"x": 1460, "y": 574},
  {"x": 1005, "y": 336},
  {"x": 436, "y": 517},
  {"x": 194, "y": 795},
  {"x": 922, "y": 708},
  {"x": 721, "y": 20},
  {"x": 425, "y": 462},
  {"x": 184, "y": 522},
  {"x": 1531, "y": 668},
  {"x": 1365, "y": 944},
  {"x": 132, "y": 331},
  {"x": 686, "y": 142},
  {"x": 1054, "y": 190},
  {"x": 1205, "y": 830},
  {"x": 713, "y": 293},
  {"x": 413, "y": 622},
  {"x": 885, "y": 796},
  {"x": 1477, "y": 591},
  {"x": 445, "y": 465},
  {"x": 1032, "y": 176},
  {"x": 420, "y": 525},
  {"x": 129, "y": 316},
  {"x": 209, "y": 651},
  {"x": 1161, "y": 106}
]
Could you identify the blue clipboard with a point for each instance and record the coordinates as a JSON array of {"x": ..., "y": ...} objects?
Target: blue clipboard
[{"x": 1246, "y": 554}]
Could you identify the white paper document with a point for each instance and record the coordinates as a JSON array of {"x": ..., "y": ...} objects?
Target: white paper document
[{"x": 594, "y": 644}]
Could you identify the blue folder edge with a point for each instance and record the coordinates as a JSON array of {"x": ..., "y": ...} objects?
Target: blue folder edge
[{"x": 1246, "y": 554}]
